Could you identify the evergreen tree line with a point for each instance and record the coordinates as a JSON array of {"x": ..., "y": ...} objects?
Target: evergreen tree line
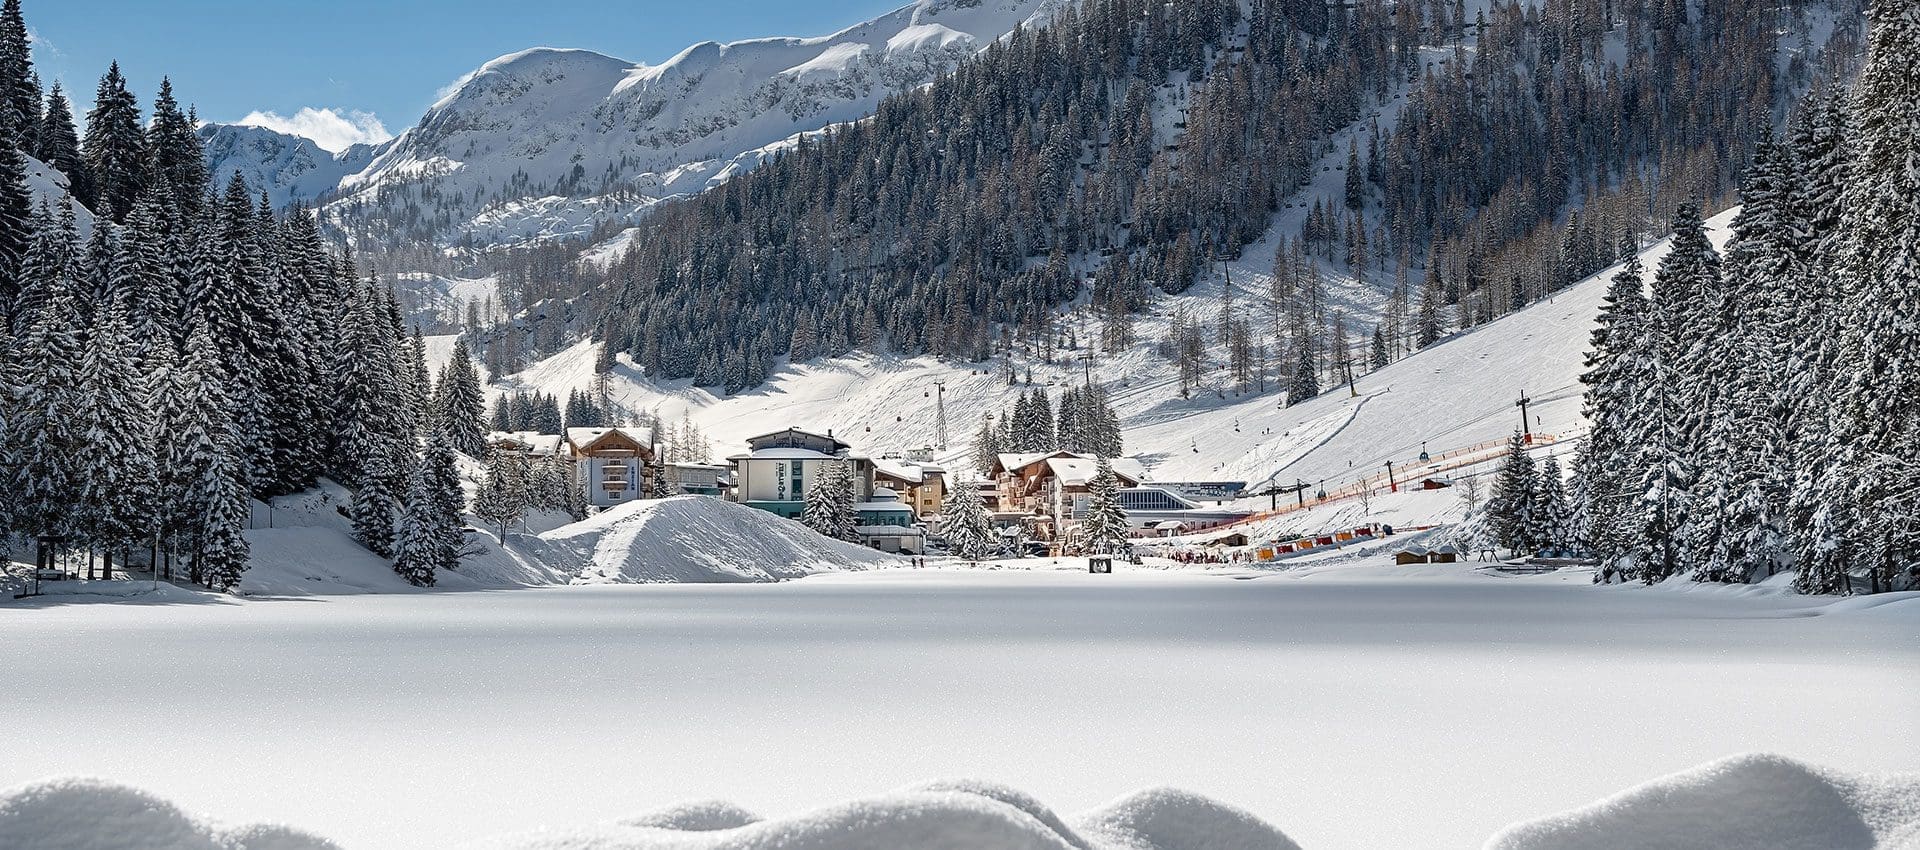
[
  {"x": 1085, "y": 423},
  {"x": 1756, "y": 410},
  {"x": 585, "y": 410},
  {"x": 528, "y": 411},
  {"x": 194, "y": 351}
]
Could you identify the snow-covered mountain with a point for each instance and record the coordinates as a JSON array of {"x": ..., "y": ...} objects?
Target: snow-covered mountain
[
  {"x": 549, "y": 142},
  {"x": 285, "y": 166}
]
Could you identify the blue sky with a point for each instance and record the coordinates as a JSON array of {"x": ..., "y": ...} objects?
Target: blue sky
[{"x": 384, "y": 59}]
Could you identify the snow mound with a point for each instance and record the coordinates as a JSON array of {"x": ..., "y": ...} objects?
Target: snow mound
[
  {"x": 694, "y": 539},
  {"x": 962, "y": 815},
  {"x": 89, "y": 814},
  {"x": 704, "y": 816},
  {"x": 1171, "y": 818},
  {"x": 1756, "y": 800}
]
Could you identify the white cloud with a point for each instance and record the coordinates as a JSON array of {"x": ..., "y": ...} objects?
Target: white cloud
[{"x": 331, "y": 129}]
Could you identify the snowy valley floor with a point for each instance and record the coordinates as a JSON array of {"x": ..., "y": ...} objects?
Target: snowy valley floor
[{"x": 1353, "y": 707}]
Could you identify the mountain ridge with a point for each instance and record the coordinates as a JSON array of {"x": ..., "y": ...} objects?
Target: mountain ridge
[{"x": 549, "y": 142}]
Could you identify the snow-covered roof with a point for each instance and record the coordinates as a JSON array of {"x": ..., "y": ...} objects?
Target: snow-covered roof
[
  {"x": 533, "y": 442},
  {"x": 909, "y": 471},
  {"x": 1077, "y": 470},
  {"x": 581, "y": 438},
  {"x": 1018, "y": 460},
  {"x": 784, "y": 454},
  {"x": 801, "y": 432}
]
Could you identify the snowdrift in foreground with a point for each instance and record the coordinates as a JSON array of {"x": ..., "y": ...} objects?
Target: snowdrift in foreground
[
  {"x": 694, "y": 539},
  {"x": 953, "y": 815},
  {"x": 1755, "y": 800},
  {"x": 88, "y": 814},
  {"x": 1745, "y": 801}
]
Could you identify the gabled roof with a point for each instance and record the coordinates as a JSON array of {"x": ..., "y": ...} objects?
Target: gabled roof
[
  {"x": 583, "y": 438},
  {"x": 1010, "y": 461},
  {"x": 1077, "y": 470},
  {"x": 802, "y": 432}
]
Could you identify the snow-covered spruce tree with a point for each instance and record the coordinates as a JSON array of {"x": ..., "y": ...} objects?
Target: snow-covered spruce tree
[
  {"x": 420, "y": 552},
  {"x": 416, "y": 386},
  {"x": 1306, "y": 381},
  {"x": 1670, "y": 415},
  {"x": 1555, "y": 512},
  {"x": 1578, "y": 520},
  {"x": 502, "y": 499},
  {"x": 1104, "y": 528},
  {"x": 118, "y": 475},
  {"x": 459, "y": 407},
  {"x": 16, "y": 215},
  {"x": 1068, "y": 425},
  {"x": 19, "y": 87},
  {"x": 178, "y": 163},
  {"x": 373, "y": 509},
  {"x": 369, "y": 409},
  {"x": 168, "y": 391},
  {"x": 57, "y": 144},
  {"x": 223, "y": 550},
  {"x": 1045, "y": 437},
  {"x": 47, "y": 430},
  {"x": 202, "y": 461},
  {"x": 440, "y": 472},
  {"x": 829, "y": 503},
  {"x": 1613, "y": 377},
  {"x": 1876, "y": 421},
  {"x": 1019, "y": 435},
  {"x": 986, "y": 447},
  {"x": 115, "y": 146},
  {"x": 1745, "y": 473},
  {"x": 1514, "y": 510},
  {"x": 964, "y": 522},
  {"x": 1105, "y": 436}
]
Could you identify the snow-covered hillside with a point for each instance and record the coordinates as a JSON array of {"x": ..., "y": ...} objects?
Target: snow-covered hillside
[
  {"x": 287, "y": 167},
  {"x": 549, "y": 142},
  {"x": 1459, "y": 392},
  {"x": 49, "y": 187}
]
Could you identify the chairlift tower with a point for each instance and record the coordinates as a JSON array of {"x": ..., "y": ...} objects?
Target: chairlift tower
[{"x": 940, "y": 414}]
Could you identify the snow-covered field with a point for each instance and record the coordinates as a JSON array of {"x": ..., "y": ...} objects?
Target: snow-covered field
[{"x": 1355, "y": 705}]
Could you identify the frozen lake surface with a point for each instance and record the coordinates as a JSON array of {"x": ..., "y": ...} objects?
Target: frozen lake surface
[{"x": 1350, "y": 709}]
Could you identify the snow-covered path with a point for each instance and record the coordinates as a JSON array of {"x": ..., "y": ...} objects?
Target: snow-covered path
[{"x": 1350, "y": 707}]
